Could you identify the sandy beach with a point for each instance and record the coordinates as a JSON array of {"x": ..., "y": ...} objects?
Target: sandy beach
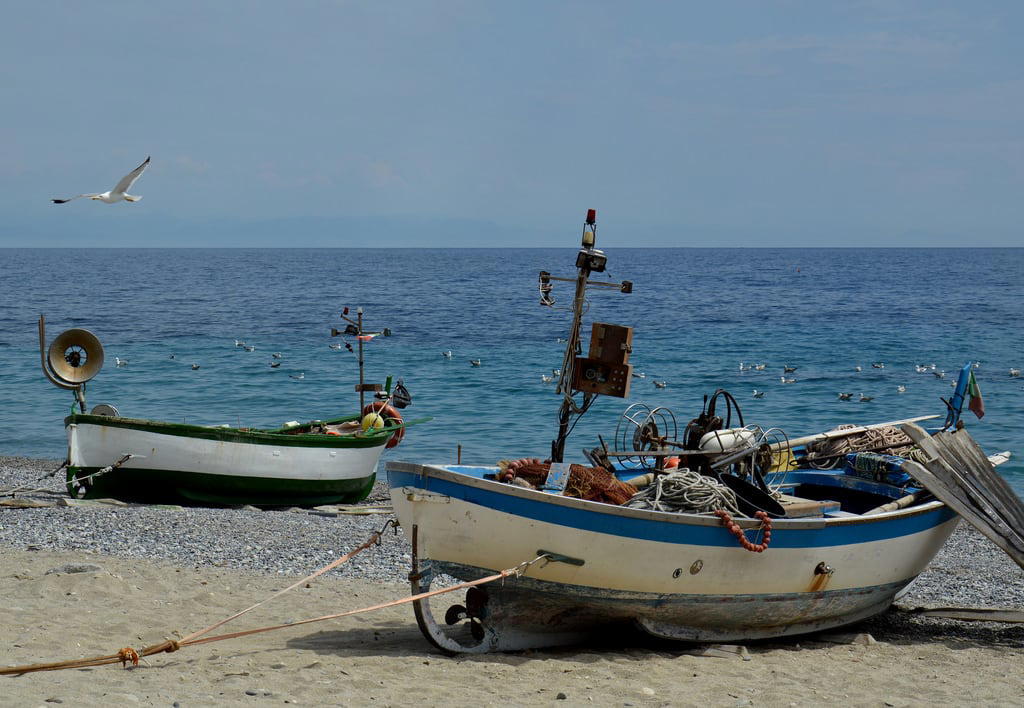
[
  {"x": 144, "y": 574},
  {"x": 381, "y": 658}
]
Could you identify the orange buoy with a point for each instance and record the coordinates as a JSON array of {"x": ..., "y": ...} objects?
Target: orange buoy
[{"x": 390, "y": 414}]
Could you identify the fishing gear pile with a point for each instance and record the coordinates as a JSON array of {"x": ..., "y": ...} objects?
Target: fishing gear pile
[
  {"x": 588, "y": 483},
  {"x": 827, "y": 454}
]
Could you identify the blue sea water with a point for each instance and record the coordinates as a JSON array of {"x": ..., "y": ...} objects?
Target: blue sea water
[{"x": 697, "y": 314}]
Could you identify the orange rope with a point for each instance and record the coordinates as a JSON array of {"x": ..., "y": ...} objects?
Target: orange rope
[{"x": 128, "y": 654}]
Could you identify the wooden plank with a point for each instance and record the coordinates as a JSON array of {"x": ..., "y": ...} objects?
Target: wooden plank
[
  {"x": 999, "y": 486},
  {"x": 964, "y": 508},
  {"x": 969, "y": 485},
  {"x": 799, "y": 508},
  {"x": 970, "y": 614},
  {"x": 978, "y": 475}
]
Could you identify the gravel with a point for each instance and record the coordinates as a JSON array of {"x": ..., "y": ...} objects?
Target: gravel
[
  {"x": 969, "y": 570},
  {"x": 265, "y": 542}
]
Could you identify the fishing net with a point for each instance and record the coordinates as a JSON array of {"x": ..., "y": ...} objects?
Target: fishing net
[{"x": 589, "y": 483}]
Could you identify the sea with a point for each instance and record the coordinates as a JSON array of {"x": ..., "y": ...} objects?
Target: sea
[{"x": 696, "y": 314}]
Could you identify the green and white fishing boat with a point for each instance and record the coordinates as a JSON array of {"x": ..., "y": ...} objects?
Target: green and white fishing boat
[
  {"x": 299, "y": 464},
  {"x": 155, "y": 461}
]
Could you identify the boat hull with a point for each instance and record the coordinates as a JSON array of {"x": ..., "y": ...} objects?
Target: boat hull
[
  {"x": 216, "y": 466},
  {"x": 681, "y": 576}
]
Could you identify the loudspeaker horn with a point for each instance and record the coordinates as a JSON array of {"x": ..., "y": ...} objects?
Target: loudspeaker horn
[{"x": 75, "y": 356}]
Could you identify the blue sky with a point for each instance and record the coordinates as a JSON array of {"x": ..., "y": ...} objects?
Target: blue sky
[{"x": 477, "y": 123}]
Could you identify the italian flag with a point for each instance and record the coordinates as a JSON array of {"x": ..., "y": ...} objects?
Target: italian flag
[{"x": 976, "y": 406}]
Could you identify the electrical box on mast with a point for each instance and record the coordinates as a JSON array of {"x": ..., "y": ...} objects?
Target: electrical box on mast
[{"x": 606, "y": 371}]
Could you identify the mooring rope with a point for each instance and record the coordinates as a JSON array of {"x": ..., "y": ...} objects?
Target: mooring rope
[
  {"x": 685, "y": 491},
  {"x": 128, "y": 654},
  {"x": 827, "y": 454},
  {"x": 26, "y": 489}
]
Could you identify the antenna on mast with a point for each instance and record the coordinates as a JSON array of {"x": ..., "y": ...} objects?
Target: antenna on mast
[{"x": 606, "y": 371}]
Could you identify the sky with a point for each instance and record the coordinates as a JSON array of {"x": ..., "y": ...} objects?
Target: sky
[{"x": 498, "y": 124}]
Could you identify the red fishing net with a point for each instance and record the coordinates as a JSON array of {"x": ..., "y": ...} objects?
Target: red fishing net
[{"x": 589, "y": 483}]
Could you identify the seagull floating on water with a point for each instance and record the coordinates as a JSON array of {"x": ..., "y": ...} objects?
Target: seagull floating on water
[
  {"x": 120, "y": 362},
  {"x": 758, "y": 394},
  {"x": 878, "y": 365},
  {"x": 249, "y": 347},
  {"x": 787, "y": 369},
  {"x": 1014, "y": 373},
  {"x": 901, "y": 389},
  {"x": 865, "y": 399},
  {"x": 276, "y": 355},
  {"x": 546, "y": 379},
  {"x": 760, "y": 367},
  {"x": 639, "y": 375},
  {"x": 939, "y": 374},
  {"x": 298, "y": 377},
  {"x": 239, "y": 343},
  {"x": 845, "y": 396},
  {"x": 275, "y": 364},
  {"x": 447, "y": 354},
  {"x": 660, "y": 384},
  {"x": 474, "y": 362},
  {"x": 335, "y": 345},
  {"x": 784, "y": 380},
  {"x": 195, "y": 366},
  {"x": 745, "y": 367},
  {"x": 556, "y": 372},
  {"x": 857, "y": 368},
  {"x": 118, "y": 193}
]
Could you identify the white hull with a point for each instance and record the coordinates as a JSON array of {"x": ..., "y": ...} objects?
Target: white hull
[
  {"x": 275, "y": 470},
  {"x": 676, "y": 575}
]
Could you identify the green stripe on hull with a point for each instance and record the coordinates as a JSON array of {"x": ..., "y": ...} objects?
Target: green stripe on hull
[
  {"x": 161, "y": 486},
  {"x": 371, "y": 438}
]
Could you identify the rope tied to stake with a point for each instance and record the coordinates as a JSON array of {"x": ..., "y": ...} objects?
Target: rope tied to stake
[{"x": 170, "y": 645}]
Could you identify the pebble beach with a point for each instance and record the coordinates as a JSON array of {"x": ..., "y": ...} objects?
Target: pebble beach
[{"x": 87, "y": 580}]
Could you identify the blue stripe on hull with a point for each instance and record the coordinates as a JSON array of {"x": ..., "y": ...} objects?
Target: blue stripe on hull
[{"x": 608, "y": 521}]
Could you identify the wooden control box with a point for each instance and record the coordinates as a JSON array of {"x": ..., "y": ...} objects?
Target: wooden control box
[
  {"x": 611, "y": 343},
  {"x": 597, "y": 376}
]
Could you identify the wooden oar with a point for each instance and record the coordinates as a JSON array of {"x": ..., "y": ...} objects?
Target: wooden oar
[{"x": 831, "y": 434}]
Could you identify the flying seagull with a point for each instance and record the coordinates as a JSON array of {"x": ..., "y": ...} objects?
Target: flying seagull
[{"x": 116, "y": 194}]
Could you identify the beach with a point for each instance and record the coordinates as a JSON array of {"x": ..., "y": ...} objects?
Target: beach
[{"x": 81, "y": 581}]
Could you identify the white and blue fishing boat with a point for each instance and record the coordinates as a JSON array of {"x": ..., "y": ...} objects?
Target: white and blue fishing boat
[{"x": 823, "y": 530}]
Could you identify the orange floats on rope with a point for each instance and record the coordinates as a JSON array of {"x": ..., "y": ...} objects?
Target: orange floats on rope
[
  {"x": 389, "y": 413},
  {"x": 735, "y": 530}
]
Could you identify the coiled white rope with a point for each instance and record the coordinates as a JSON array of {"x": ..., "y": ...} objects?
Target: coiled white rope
[{"x": 685, "y": 491}]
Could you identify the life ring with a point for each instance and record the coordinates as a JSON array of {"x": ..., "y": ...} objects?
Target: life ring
[{"x": 390, "y": 414}]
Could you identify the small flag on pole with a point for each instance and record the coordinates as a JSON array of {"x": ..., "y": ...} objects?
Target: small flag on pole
[{"x": 976, "y": 406}]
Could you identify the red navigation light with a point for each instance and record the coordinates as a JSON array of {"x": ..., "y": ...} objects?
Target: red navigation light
[{"x": 591, "y": 216}]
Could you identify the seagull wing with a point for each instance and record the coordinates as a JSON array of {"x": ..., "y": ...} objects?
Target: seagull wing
[
  {"x": 129, "y": 179},
  {"x": 65, "y": 201}
]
